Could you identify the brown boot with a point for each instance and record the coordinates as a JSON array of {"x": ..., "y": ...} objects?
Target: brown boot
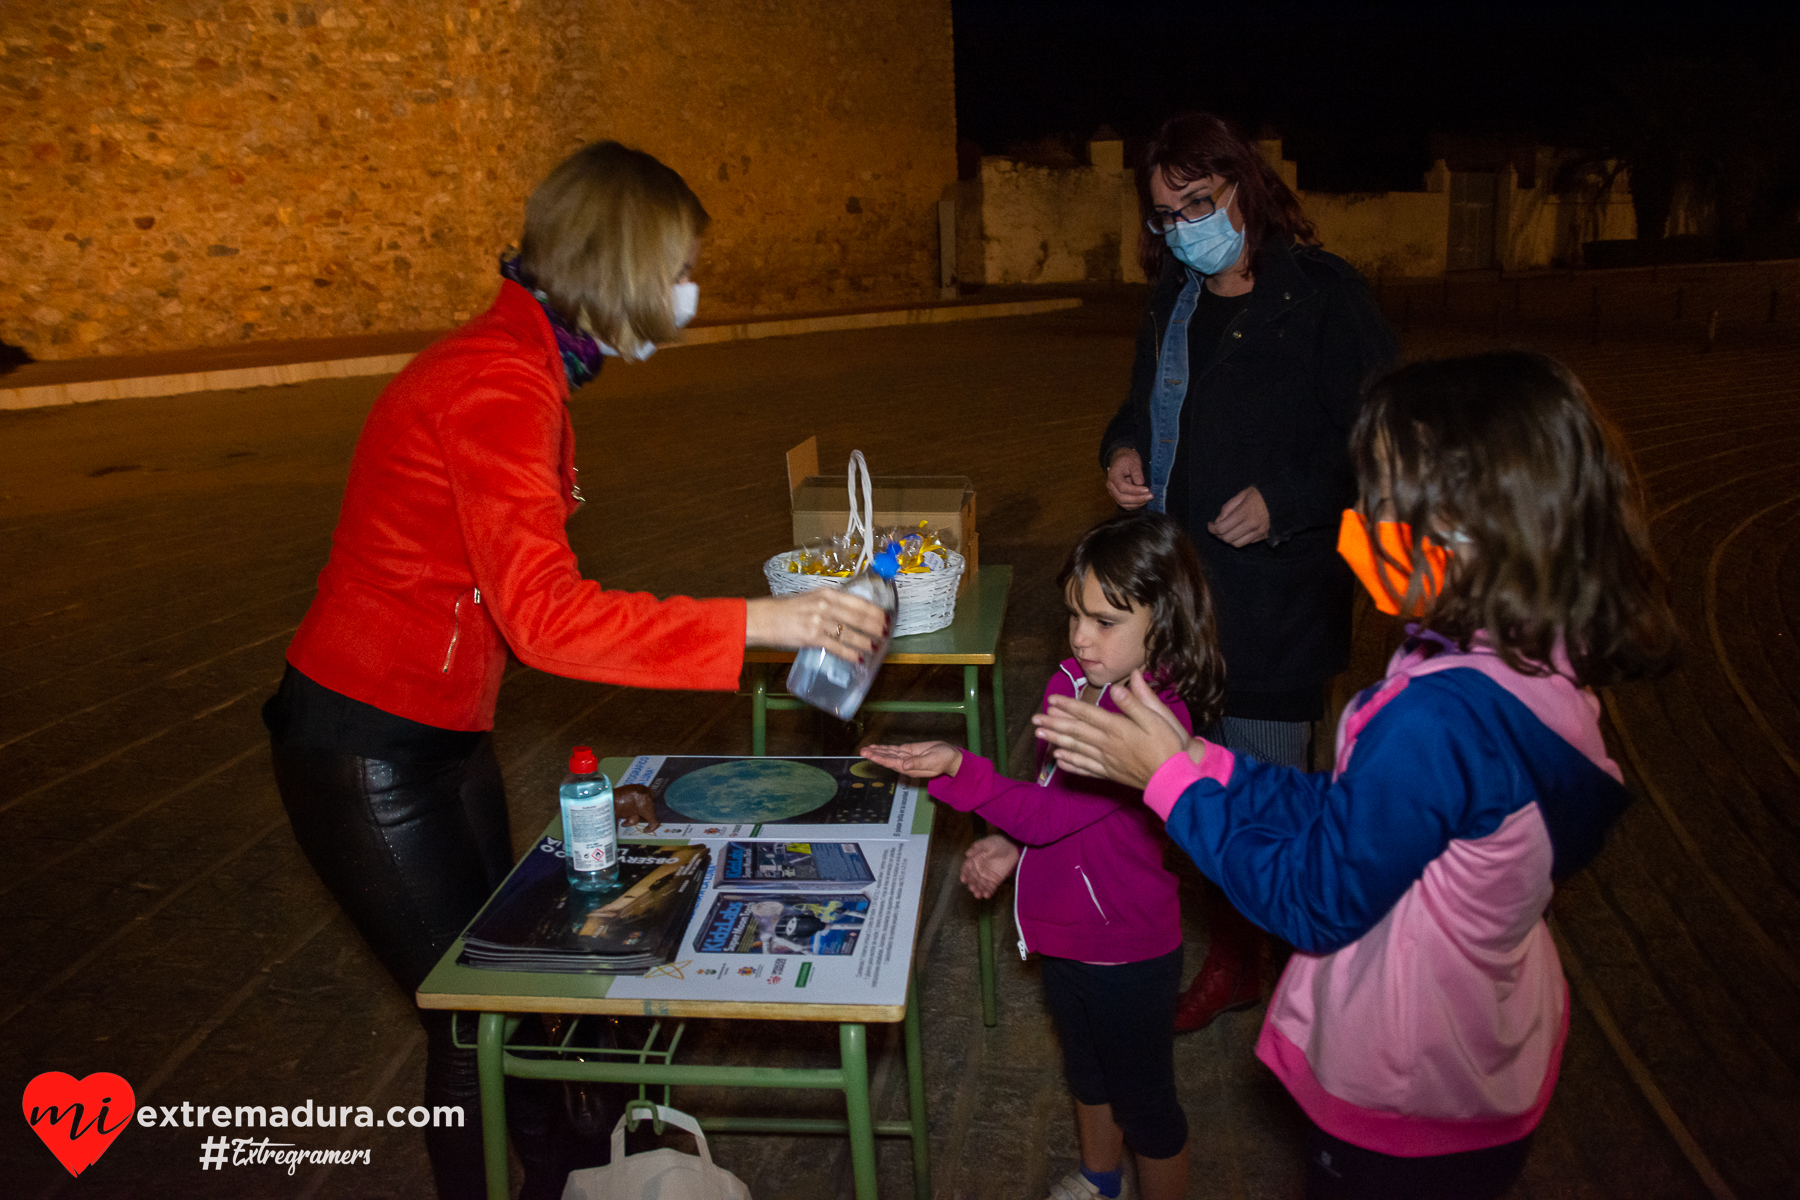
[
  {"x": 1231, "y": 976},
  {"x": 1216, "y": 989}
]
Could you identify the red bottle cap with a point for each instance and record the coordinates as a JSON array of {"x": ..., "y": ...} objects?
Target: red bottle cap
[{"x": 582, "y": 761}]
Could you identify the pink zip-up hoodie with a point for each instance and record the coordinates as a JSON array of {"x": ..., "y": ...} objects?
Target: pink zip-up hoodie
[
  {"x": 1425, "y": 1010},
  {"x": 1091, "y": 885}
]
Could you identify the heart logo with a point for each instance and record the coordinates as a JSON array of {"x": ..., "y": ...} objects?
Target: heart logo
[{"x": 78, "y": 1118}]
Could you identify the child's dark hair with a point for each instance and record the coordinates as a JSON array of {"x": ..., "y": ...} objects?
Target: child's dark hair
[
  {"x": 1142, "y": 559},
  {"x": 1502, "y": 459}
]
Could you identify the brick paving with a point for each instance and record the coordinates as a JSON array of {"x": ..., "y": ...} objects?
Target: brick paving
[{"x": 160, "y": 923}]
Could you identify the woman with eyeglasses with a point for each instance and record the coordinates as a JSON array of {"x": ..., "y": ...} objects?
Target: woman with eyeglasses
[
  {"x": 450, "y": 556},
  {"x": 1250, "y": 363}
]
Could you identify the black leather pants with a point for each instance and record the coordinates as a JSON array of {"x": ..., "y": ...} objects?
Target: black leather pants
[{"x": 411, "y": 850}]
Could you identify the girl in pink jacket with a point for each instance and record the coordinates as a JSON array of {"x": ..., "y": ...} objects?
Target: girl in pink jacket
[{"x": 1093, "y": 896}]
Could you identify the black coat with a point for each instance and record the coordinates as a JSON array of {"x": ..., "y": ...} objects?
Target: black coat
[{"x": 1277, "y": 397}]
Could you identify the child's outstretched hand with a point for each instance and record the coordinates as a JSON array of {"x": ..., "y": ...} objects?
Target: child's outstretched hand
[
  {"x": 987, "y": 864},
  {"x": 921, "y": 760}
]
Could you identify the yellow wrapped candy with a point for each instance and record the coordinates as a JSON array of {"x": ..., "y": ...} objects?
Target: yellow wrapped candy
[{"x": 837, "y": 557}]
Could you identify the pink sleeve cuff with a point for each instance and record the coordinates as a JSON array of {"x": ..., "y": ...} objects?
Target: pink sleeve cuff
[{"x": 1181, "y": 772}]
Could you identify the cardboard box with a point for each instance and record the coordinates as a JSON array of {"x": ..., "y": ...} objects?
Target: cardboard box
[{"x": 821, "y": 504}]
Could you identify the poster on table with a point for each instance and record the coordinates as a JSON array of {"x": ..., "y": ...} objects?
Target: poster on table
[
  {"x": 802, "y": 943},
  {"x": 836, "y": 799}
]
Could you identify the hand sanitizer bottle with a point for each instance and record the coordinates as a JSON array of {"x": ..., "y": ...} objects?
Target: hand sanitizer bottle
[
  {"x": 826, "y": 681},
  {"x": 590, "y": 834}
]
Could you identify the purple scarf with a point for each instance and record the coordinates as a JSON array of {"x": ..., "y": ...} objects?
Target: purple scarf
[{"x": 580, "y": 351}]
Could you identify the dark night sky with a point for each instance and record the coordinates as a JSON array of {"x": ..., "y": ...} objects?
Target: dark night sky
[{"x": 1356, "y": 88}]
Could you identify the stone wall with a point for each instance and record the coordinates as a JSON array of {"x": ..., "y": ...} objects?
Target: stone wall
[
  {"x": 189, "y": 174},
  {"x": 1540, "y": 227},
  {"x": 1383, "y": 233},
  {"x": 1032, "y": 224},
  {"x": 1026, "y": 224}
]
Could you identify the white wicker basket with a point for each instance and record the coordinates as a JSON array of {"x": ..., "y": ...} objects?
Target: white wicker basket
[{"x": 927, "y": 602}]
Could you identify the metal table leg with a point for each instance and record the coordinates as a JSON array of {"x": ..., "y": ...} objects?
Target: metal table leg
[
  {"x": 984, "y": 909},
  {"x": 853, "y": 1054},
  {"x": 851, "y": 1078},
  {"x": 999, "y": 714},
  {"x": 488, "y": 1060},
  {"x": 971, "y": 707},
  {"x": 915, "y": 1092},
  {"x": 984, "y": 944}
]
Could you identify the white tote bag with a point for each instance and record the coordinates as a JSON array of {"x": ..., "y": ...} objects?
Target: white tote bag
[{"x": 663, "y": 1174}]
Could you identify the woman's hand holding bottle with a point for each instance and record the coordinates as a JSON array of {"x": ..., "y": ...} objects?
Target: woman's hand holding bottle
[{"x": 844, "y": 625}]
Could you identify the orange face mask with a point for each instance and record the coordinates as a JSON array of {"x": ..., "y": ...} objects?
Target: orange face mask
[{"x": 1387, "y": 583}]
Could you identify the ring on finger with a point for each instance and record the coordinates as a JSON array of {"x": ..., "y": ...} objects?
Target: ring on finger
[{"x": 839, "y": 634}]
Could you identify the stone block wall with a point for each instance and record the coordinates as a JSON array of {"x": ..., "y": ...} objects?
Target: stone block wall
[
  {"x": 180, "y": 174},
  {"x": 1043, "y": 224},
  {"x": 1025, "y": 224},
  {"x": 1383, "y": 233},
  {"x": 1539, "y": 227}
]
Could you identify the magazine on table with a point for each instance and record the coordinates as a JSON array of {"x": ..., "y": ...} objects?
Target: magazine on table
[
  {"x": 797, "y": 941},
  {"x": 788, "y": 865},
  {"x": 814, "y": 923},
  {"x": 538, "y": 922}
]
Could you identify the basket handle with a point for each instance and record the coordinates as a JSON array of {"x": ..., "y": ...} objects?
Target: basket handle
[{"x": 862, "y": 519}]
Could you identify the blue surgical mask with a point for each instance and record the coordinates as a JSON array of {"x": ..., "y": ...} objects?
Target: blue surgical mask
[{"x": 1209, "y": 245}]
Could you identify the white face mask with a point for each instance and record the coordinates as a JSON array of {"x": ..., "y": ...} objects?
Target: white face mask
[{"x": 685, "y": 302}]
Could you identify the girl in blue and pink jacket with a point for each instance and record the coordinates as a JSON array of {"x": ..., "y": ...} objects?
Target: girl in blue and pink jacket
[
  {"x": 1093, "y": 897},
  {"x": 1421, "y": 1022}
]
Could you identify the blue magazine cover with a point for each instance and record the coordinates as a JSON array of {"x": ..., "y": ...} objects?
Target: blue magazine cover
[
  {"x": 788, "y": 865},
  {"x": 782, "y": 923}
]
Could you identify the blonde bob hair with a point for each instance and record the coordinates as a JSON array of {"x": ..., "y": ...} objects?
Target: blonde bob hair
[{"x": 607, "y": 236}]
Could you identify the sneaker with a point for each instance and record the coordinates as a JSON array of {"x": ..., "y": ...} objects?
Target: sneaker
[{"x": 1076, "y": 1186}]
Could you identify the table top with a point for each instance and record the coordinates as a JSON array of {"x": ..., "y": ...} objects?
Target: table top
[
  {"x": 451, "y": 985},
  {"x": 972, "y": 638}
]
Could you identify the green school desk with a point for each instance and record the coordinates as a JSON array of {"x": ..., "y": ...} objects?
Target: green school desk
[
  {"x": 971, "y": 641},
  {"x": 496, "y": 995}
]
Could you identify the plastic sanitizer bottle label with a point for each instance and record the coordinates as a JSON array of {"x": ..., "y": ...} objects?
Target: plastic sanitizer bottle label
[{"x": 588, "y": 842}]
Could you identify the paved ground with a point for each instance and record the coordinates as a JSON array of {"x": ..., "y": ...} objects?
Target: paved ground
[{"x": 160, "y": 923}]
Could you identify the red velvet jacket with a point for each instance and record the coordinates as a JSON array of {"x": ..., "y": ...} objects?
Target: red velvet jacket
[{"x": 450, "y": 547}]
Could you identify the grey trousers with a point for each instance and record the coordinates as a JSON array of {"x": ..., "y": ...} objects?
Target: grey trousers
[{"x": 1280, "y": 742}]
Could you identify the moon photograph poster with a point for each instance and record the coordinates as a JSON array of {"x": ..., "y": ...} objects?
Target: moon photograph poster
[{"x": 703, "y": 797}]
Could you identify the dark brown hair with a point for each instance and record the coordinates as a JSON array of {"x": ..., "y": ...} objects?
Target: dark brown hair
[
  {"x": 1502, "y": 459},
  {"x": 607, "y": 236},
  {"x": 1142, "y": 559},
  {"x": 1193, "y": 145}
]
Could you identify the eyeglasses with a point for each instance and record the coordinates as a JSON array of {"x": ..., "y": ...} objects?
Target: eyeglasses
[{"x": 1162, "y": 220}]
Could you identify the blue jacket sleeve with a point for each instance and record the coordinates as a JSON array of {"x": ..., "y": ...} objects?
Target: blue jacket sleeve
[{"x": 1319, "y": 862}]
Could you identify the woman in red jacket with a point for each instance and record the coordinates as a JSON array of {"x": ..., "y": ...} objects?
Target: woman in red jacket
[{"x": 450, "y": 552}]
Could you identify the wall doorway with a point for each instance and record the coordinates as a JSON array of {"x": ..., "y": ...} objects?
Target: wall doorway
[{"x": 1471, "y": 220}]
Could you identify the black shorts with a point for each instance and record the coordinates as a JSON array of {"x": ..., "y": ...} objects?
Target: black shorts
[
  {"x": 1338, "y": 1170},
  {"x": 1117, "y": 1025}
]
